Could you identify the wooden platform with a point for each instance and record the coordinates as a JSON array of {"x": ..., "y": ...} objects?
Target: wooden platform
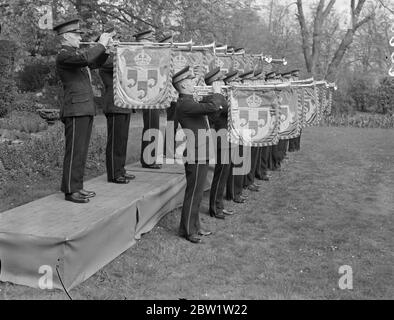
[{"x": 76, "y": 240}]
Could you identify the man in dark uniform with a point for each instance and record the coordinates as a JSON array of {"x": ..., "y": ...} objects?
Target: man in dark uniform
[
  {"x": 218, "y": 122},
  {"x": 286, "y": 77},
  {"x": 248, "y": 181},
  {"x": 294, "y": 144},
  {"x": 118, "y": 124},
  {"x": 273, "y": 151},
  {"x": 279, "y": 150},
  {"x": 192, "y": 117},
  {"x": 150, "y": 117},
  {"x": 262, "y": 160},
  {"x": 171, "y": 119},
  {"x": 235, "y": 182},
  {"x": 78, "y": 108}
]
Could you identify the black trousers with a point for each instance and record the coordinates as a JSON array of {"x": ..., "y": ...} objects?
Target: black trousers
[
  {"x": 249, "y": 178},
  {"x": 298, "y": 142},
  {"x": 286, "y": 146},
  {"x": 196, "y": 175},
  {"x": 222, "y": 169},
  {"x": 292, "y": 143},
  {"x": 270, "y": 162},
  {"x": 171, "y": 117},
  {"x": 262, "y": 163},
  {"x": 278, "y": 153},
  {"x": 235, "y": 182},
  {"x": 77, "y": 132},
  {"x": 118, "y": 125},
  {"x": 151, "y": 120},
  {"x": 295, "y": 143}
]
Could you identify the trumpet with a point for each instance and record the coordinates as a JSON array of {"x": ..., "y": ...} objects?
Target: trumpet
[
  {"x": 207, "y": 90},
  {"x": 205, "y": 47},
  {"x": 279, "y": 61},
  {"x": 240, "y": 53},
  {"x": 145, "y": 44},
  {"x": 223, "y": 48}
]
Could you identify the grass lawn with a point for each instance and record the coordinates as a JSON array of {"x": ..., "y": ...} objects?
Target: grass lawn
[{"x": 331, "y": 205}]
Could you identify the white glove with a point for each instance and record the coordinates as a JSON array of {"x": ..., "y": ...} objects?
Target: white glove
[
  {"x": 216, "y": 87},
  {"x": 105, "y": 39}
]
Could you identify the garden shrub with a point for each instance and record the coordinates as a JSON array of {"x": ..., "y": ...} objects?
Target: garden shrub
[
  {"x": 42, "y": 157},
  {"x": 34, "y": 76},
  {"x": 8, "y": 92},
  {"x": 24, "y": 121},
  {"x": 385, "y": 96},
  {"x": 360, "y": 120}
]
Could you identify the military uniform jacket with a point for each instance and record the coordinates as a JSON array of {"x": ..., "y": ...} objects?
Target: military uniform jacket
[
  {"x": 106, "y": 74},
  {"x": 219, "y": 119},
  {"x": 192, "y": 116},
  {"x": 71, "y": 68}
]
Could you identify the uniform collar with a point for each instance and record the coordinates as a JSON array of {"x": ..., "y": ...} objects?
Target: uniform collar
[
  {"x": 69, "y": 48},
  {"x": 182, "y": 95}
]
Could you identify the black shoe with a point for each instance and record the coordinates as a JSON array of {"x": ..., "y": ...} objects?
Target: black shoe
[
  {"x": 120, "y": 180},
  {"x": 129, "y": 176},
  {"x": 265, "y": 178},
  {"x": 76, "y": 197},
  {"x": 87, "y": 194},
  {"x": 228, "y": 212},
  {"x": 217, "y": 215},
  {"x": 239, "y": 200},
  {"x": 204, "y": 233},
  {"x": 152, "y": 166},
  {"x": 253, "y": 188},
  {"x": 193, "y": 238}
]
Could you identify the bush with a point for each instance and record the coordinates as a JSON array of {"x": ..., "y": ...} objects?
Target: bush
[
  {"x": 365, "y": 93},
  {"x": 34, "y": 76},
  {"x": 385, "y": 96},
  {"x": 342, "y": 103},
  {"x": 8, "y": 92},
  {"x": 42, "y": 157},
  {"x": 360, "y": 120},
  {"x": 24, "y": 121},
  {"x": 25, "y": 102}
]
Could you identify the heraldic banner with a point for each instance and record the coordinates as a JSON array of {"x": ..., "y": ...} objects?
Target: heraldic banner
[
  {"x": 289, "y": 114},
  {"x": 223, "y": 61},
  {"x": 143, "y": 77},
  {"x": 253, "y": 117},
  {"x": 183, "y": 58},
  {"x": 311, "y": 106}
]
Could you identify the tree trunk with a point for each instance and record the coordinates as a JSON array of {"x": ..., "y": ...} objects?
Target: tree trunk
[{"x": 339, "y": 54}]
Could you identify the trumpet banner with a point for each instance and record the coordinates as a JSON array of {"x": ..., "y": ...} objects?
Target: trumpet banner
[
  {"x": 253, "y": 117},
  {"x": 322, "y": 91},
  {"x": 329, "y": 101},
  {"x": 210, "y": 60},
  {"x": 224, "y": 62},
  {"x": 242, "y": 63},
  {"x": 183, "y": 58},
  {"x": 311, "y": 112},
  {"x": 143, "y": 77},
  {"x": 289, "y": 114}
]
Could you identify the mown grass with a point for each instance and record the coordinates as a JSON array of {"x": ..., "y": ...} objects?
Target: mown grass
[{"x": 332, "y": 205}]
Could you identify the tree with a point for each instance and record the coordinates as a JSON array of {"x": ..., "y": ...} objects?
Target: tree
[{"x": 312, "y": 46}]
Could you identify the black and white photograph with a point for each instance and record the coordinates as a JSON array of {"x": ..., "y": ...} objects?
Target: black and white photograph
[{"x": 199, "y": 156}]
